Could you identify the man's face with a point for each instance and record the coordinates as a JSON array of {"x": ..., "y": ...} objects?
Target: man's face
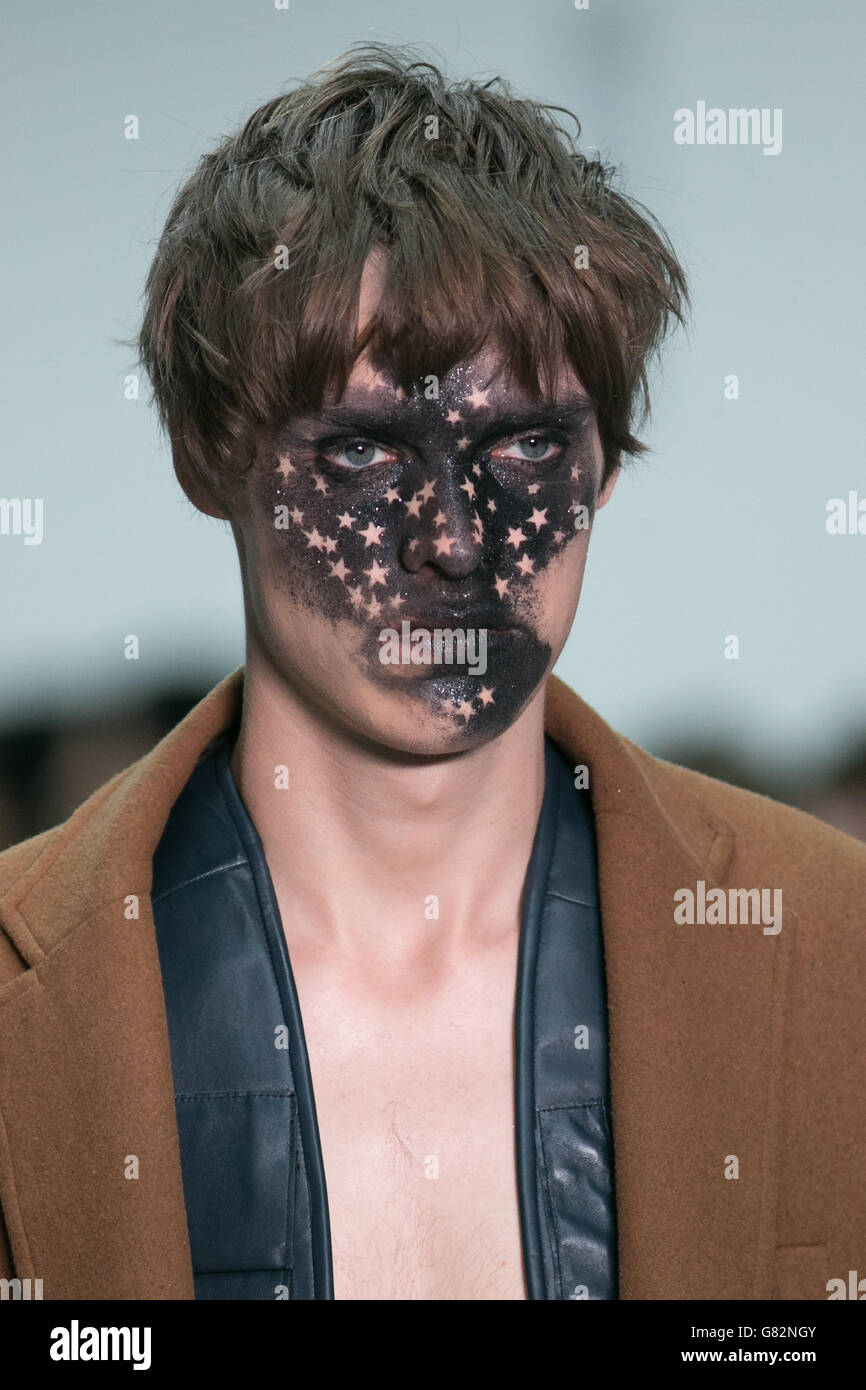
[{"x": 367, "y": 529}]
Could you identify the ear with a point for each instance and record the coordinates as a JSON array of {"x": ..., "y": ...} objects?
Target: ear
[
  {"x": 202, "y": 498},
  {"x": 607, "y": 491}
]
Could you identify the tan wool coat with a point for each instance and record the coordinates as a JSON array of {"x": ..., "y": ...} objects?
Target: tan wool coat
[{"x": 727, "y": 1042}]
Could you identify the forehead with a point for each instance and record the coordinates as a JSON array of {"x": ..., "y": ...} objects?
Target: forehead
[
  {"x": 477, "y": 386},
  {"x": 484, "y": 373}
]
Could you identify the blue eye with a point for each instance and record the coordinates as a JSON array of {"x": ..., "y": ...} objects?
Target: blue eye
[
  {"x": 360, "y": 453},
  {"x": 532, "y": 443}
]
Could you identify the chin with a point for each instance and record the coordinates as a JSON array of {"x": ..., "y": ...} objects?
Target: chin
[
  {"x": 428, "y": 739},
  {"x": 443, "y": 715},
  {"x": 454, "y": 707}
]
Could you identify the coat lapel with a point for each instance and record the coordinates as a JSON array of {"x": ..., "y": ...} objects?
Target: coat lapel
[
  {"x": 90, "y": 1181},
  {"x": 695, "y": 1017}
]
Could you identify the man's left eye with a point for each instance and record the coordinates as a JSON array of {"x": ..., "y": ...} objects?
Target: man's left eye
[
  {"x": 361, "y": 453},
  {"x": 540, "y": 448}
]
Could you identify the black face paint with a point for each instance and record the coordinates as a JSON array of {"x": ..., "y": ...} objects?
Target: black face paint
[{"x": 458, "y": 504}]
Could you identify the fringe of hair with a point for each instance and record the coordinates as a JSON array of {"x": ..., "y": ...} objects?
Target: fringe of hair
[{"x": 480, "y": 227}]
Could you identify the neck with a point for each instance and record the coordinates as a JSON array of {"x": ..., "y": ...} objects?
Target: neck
[{"x": 394, "y": 856}]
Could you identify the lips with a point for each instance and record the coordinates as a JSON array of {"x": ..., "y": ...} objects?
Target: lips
[{"x": 477, "y": 617}]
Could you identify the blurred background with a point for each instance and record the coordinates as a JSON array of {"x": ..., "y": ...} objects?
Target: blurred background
[{"x": 720, "y": 532}]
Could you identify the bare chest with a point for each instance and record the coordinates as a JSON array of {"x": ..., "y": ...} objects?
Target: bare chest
[{"x": 415, "y": 1107}]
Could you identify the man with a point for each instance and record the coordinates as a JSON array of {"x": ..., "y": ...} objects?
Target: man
[{"x": 393, "y": 972}]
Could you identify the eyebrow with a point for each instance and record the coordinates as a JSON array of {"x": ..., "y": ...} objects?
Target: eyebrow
[{"x": 566, "y": 410}]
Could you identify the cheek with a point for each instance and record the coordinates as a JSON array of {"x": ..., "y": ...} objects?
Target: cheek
[
  {"x": 333, "y": 549},
  {"x": 543, "y": 526},
  {"x": 557, "y": 591},
  {"x": 304, "y": 641}
]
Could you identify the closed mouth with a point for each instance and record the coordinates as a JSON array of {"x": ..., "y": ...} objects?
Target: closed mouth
[{"x": 477, "y": 619}]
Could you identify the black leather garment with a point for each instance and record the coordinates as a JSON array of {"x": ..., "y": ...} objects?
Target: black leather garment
[{"x": 253, "y": 1177}]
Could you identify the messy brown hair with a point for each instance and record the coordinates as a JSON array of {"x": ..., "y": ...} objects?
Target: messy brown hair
[{"x": 480, "y": 219}]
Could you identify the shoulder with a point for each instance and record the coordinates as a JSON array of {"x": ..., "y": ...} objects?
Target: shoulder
[
  {"x": 818, "y": 872},
  {"x": 69, "y": 856},
  {"x": 759, "y": 823},
  {"x": 758, "y": 833}
]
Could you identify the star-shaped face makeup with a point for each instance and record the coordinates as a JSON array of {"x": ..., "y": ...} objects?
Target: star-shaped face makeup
[{"x": 466, "y": 509}]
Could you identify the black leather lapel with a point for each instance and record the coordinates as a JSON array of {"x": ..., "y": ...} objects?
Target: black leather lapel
[
  {"x": 564, "y": 1147},
  {"x": 238, "y": 1058}
]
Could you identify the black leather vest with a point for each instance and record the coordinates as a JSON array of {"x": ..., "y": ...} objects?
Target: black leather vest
[{"x": 253, "y": 1177}]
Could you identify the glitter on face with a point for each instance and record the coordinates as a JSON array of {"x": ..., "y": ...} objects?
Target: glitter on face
[{"x": 443, "y": 512}]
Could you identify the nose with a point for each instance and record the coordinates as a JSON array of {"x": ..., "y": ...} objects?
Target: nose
[{"x": 443, "y": 533}]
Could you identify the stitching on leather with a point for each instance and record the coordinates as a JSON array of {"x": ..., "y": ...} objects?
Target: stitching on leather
[
  {"x": 290, "y": 1153},
  {"x": 292, "y": 1161},
  {"x": 575, "y": 1105},
  {"x": 553, "y": 1233},
  {"x": 199, "y": 878},
  {"x": 577, "y": 902},
  {"x": 280, "y": 981},
  {"x": 285, "y": 1094}
]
